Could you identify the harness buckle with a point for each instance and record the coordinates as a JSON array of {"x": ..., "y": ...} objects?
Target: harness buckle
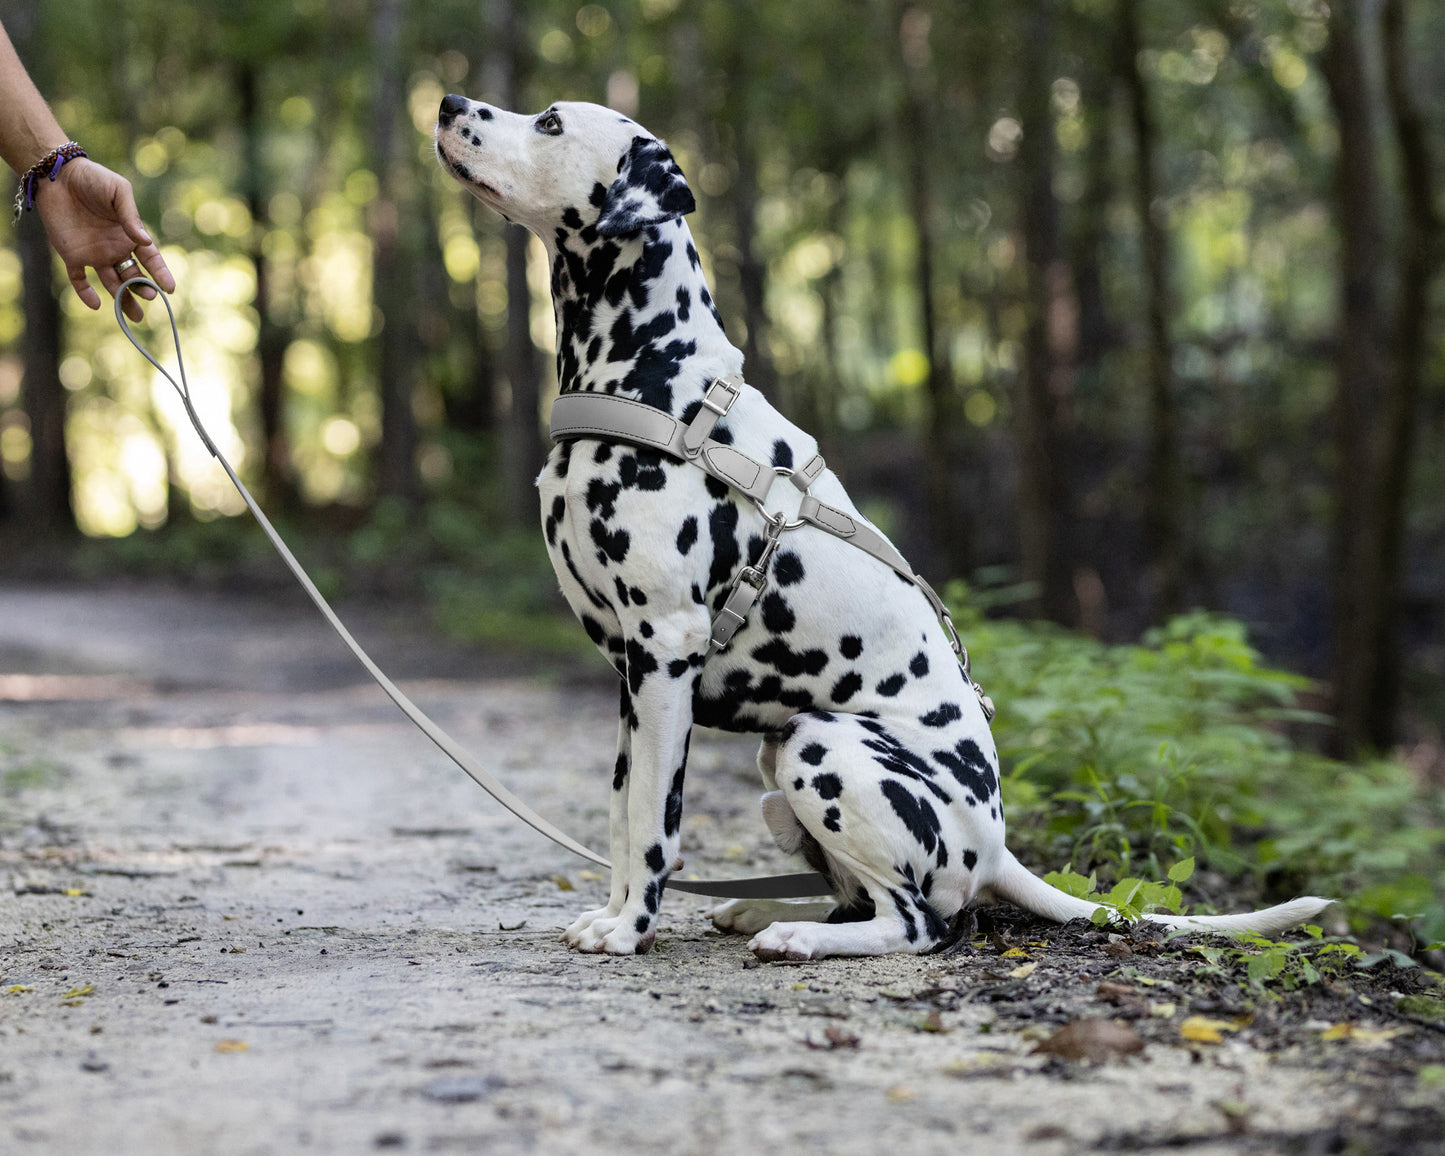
[{"x": 720, "y": 386}]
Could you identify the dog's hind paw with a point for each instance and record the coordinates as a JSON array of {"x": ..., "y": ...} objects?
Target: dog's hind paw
[
  {"x": 784, "y": 941},
  {"x": 749, "y": 916}
]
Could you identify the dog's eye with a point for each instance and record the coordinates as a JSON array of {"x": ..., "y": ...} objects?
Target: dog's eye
[{"x": 550, "y": 123}]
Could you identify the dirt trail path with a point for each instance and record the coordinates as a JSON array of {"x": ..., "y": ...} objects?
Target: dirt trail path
[{"x": 245, "y": 908}]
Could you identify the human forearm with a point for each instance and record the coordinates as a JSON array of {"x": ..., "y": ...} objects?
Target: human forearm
[{"x": 28, "y": 129}]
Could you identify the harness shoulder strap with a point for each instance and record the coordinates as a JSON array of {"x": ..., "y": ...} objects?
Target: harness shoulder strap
[{"x": 601, "y": 415}]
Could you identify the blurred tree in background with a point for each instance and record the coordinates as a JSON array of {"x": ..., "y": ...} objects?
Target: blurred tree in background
[{"x": 1119, "y": 308}]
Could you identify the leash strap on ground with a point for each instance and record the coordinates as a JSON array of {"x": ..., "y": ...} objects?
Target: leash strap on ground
[{"x": 770, "y": 887}]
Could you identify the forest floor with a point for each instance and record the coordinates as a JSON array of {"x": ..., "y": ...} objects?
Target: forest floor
[{"x": 246, "y": 908}]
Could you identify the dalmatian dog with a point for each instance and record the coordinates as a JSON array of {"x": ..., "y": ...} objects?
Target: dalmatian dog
[{"x": 877, "y": 760}]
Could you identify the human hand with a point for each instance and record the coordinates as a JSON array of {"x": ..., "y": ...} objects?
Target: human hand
[{"x": 91, "y": 219}]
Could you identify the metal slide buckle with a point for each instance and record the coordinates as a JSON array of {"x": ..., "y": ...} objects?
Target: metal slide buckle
[{"x": 719, "y": 384}]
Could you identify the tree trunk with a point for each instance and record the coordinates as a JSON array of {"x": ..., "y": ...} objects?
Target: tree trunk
[
  {"x": 522, "y": 449},
  {"x": 752, "y": 274},
  {"x": 45, "y": 499},
  {"x": 278, "y": 478},
  {"x": 392, "y": 281},
  {"x": 1419, "y": 260},
  {"x": 46, "y": 505},
  {"x": 1164, "y": 515},
  {"x": 1051, "y": 340},
  {"x": 952, "y": 530},
  {"x": 1360, "y": 370}
]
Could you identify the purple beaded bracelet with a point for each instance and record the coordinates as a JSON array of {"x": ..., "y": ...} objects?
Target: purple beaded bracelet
[{"x": 48, "y": 166}]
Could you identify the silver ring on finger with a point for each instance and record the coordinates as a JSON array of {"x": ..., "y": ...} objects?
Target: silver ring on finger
[{"x": 125, "y": 266}]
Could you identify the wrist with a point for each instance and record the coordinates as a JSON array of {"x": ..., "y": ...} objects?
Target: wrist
[{"x": 44, "y": 171}]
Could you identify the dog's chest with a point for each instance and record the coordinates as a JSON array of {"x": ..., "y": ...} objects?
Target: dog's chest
[{"x": 645, "y": 549}]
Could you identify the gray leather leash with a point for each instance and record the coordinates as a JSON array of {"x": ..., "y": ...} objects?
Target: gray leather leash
[
  {"x": 768, "y": 887},
  {"x": 611, "y": 418}
]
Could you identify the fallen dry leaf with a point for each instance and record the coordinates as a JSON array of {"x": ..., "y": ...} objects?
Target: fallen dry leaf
[
  {"x": 1203, "y": 1030},
  {"x": 1023, "y": 971},
  {"x": 1092, "y": 1039},
  {"x": 228, "y": 1047},
  {"x": 1016, "y": 953},
  {"x": 900, "y": 1094},
  {"x": 1364, "y": 1036},
  {"x": 78, "y": 992}
]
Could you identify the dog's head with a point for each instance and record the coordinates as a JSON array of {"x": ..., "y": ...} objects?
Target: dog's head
[{"x": 574, "y": 164}]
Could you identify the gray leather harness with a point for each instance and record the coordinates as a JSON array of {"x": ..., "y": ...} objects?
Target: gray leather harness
[{"x": 610, "y": 418}]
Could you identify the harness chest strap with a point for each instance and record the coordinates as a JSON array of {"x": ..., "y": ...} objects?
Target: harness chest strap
[{"x": 601, "y": 415}]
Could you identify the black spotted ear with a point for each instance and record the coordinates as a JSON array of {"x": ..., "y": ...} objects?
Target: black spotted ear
[{"x": 649, "y": 189}]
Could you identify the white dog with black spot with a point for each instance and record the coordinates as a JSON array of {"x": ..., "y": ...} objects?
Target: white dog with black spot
[{"x": 877, "y": 759}]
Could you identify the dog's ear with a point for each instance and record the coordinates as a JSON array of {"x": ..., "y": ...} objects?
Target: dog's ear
[{"x": 649, "y": 189}]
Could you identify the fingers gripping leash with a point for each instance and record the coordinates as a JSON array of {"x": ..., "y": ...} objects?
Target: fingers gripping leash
[{"x": 771, "y": 887}]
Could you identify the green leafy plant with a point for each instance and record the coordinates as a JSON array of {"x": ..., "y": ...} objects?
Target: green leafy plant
[
  {"x": 1128, "y": 899},
  {"x": 1118, "y": 760}
]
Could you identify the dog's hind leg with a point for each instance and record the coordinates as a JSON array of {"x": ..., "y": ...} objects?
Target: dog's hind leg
[
  {"x": 747, "y": 916},
  {"x": 882, "y": 827}
]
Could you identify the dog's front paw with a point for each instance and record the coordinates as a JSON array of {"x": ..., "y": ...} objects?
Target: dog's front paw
[
  {"x": 579, "y": 926},
  {"x": 612, "y": 935},
  {"x": 786, "y": 941}
]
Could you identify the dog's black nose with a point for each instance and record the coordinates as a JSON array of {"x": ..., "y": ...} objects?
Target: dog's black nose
[{"x": 452, "y": 107}]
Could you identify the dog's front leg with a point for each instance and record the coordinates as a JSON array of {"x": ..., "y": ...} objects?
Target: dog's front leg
[
  {"x": 616, "y": 827},
  {"x": 662, "y": 720}
]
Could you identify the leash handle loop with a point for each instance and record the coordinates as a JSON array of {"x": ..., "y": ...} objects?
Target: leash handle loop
[{"x": 182, "y": 387}]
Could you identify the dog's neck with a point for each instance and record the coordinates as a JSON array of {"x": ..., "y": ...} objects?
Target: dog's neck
[{"x": 635, "y": 316}]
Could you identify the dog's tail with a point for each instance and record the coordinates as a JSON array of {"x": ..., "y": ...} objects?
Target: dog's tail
[{"x": 1019, "y": 885}]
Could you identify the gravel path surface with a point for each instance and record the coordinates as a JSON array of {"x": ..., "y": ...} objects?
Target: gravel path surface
[{"x": 246, "y": 908}]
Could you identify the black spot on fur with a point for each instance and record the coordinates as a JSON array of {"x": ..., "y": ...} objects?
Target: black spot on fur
[
  {"x": 672, "y": 814},
  {"x": 654, "y": 858},
  {"x": 946, "y": 713},
  {"x": 919, "y": 665},
  {"x": 891, "y": 685},
  {"x": 782, "y": 454},
  {"x": 813, "y": 754},
  {"x": 918, "y": 816},
  {"x": 828, "y": 785},
  {"x": 777, "y": 614},
  {"x": 788, "y": 568},
  {"x": 850, "y": 646},
  {"x": 846, "y": 687},
  {"x": 831, "y": 817},
  {"x": 611, "y": 544},
  {"x": 687, "y": 536},
  {"x": 791, "y": 663},
  {"x": 640, "y": 663},
  {"x": 619, "y": 773},
  {"x": 678, "y": 667},
  {"x": 970, "y": 859},
  {"x": 722, "y": 525},
  {"x": 968, "y": 764}
]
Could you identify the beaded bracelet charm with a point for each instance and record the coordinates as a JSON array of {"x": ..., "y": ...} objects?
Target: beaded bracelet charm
[{"x": 48, "y": 166}]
